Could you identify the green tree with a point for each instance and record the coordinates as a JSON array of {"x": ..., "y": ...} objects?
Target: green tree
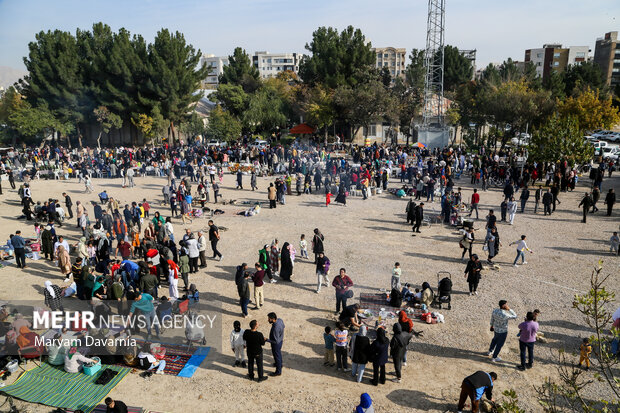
[
  {"x": 457, "y": 68},
  {"x": 336, "y": 58},
  {"x": 232, "y": 98},
  {"x": 107, "y": 121},
  {"x": 173, "y": 77},
  {"x": 319, "y": 108},
  {"x": 265, "y": 112},
  {"x": 560, "y": 139},
  {"x": 193, "y": 126},
  {"x": 222, "y": 125},
  {"x": 555, "y": 84},
  {"x": 415, "y": 71},
  {"x": 240, "y": 71},
  {"x": 590, "y": 110},
  {"x": 582, "y": 76}
]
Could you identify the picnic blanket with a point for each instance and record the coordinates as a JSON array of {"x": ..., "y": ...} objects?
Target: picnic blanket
[
  {"x": 180, "y": 361},
  {"x": 102, "y": 408},
  {"x": 52, "y": 386},
  {"x": 373, "y": 301}
]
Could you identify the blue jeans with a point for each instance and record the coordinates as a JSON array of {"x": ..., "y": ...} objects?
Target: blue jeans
[
  {"x": 497, "y": 343},
  {"x": 276, "y": 351},
  {"x": 160, "y": 367},
  {"x": 530, "y": 353},
  {"x": 357, "y": 371},
  {"x": 150, "y": 317},
  {"x": 519, "y": 254},
  {"x": 244, "y": 305}
]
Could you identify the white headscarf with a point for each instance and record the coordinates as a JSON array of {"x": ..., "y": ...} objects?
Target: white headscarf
[{"x": 48, "y": 287}]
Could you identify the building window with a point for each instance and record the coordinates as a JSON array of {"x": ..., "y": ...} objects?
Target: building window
[
  {"x": 385, "y": 56},
  {"x": 616, "y": 69},
  {"x": 556, "y": 55},
  {"x": 371, "y": 131},
  {"x": 539, "y": 55},
  {"x": 385, "y": 63},
  {"x": 580, "y": 54},
  {"x": 556, "y": 64}
]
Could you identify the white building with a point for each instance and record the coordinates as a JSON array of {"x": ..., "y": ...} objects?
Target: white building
[
  {"x": 394, "y": 59},
  {"x": 270, "y": 64},
  {"x": 216, "y": 68}
]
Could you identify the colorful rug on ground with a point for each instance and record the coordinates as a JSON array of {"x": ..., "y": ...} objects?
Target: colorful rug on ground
[
  {"x": 180, "y": 361},
  {"x": 52, "y": 386},
  {"x": 375, "y": 302}
]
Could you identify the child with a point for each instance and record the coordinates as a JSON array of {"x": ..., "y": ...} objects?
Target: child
[
  {"x": 342, "y": 341},
  {"x": 328, "y": 197},
  {"x": 396, "y": 276},
  {"x": 584, "y": 353},
  {"x": 184, "y": 265},
  {"x": 237, "y": 344},
  {"x": 614, "y": 242},
  {"x": 329, "y": 339},
  {"x": 303, "y": 246},
  {"x": 92, "y": 254}
]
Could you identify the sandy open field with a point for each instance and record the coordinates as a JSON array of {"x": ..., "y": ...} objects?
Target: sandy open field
[{"x": 366, "y": 238}]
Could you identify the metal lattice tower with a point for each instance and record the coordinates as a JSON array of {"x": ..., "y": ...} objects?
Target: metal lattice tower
[{"x": 432, "y": 114}]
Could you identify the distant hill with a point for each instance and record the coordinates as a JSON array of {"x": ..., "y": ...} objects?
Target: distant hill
[{"x": 10, "y": 75}]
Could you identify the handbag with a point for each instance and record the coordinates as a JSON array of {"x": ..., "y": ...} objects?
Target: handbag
[{"x": 349, "y": 294}]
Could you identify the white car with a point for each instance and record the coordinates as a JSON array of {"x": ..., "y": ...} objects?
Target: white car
[
  {"x": 599, "y": 144},
  {"x": 259, "y": 144},
  {"x": 610, "y": 152}
]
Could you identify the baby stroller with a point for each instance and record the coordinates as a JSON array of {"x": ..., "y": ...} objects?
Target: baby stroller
[
  {"x": 444, "y": 290},
  {"x": 194, "y": 331}
]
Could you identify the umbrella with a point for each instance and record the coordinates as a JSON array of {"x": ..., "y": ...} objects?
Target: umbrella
[
  {"x": 302, "y": 128},
  {"x": 420, "y": 145}
]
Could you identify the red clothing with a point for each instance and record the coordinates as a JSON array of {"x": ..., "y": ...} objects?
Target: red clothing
[
  {"x": 124, "y": 249},
  {"x": 475, "y": 198},
  {"x": 258, "y": 278},
  {"x": 327, "y": 198}
]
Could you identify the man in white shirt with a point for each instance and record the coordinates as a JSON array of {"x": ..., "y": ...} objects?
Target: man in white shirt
[
  {"x": 63, "y": 242},
  {"x": 521, "y": 248}
]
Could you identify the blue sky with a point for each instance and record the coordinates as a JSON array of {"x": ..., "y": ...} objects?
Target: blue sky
[{"x": 496, "y": 28}]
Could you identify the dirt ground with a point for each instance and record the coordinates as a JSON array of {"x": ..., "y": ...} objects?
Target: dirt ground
[{"x": 365, "y": 237}]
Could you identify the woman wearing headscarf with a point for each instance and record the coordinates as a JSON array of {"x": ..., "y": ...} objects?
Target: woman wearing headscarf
[
  {"x": 378, "y": 354},
  {"x": 82, "y": 250},
  {"x": 317, "y": 244},
  {"x": 341, "y": 198},
  {"x": 74, "y": 360},
  {"x": 27, "y": 340},
  {"x": 274, "y": 258},
  {"x": 47, "y": 243},
  {"x": 365, "y": 405},
  {"x": 427, "y": 294},
  {"x": 53, "y": 296},
  {"x": 103, "y": 248},
  {"x": 287, "y": 262},
  {"x": 398, "y": 346},
  {"x": 64, "y": 262},
  {"x": 360, "y": 346},
  {"x": 173, "y": 279},
  {"x": 407, "y": 326}
]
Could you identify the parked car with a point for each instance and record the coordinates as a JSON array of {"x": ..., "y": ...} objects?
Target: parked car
[
  {"x": 260, "y": 144},
  {"x": 603, "y": 134},
  {"x": 613, "y": 137},
  {"x": 611, "y": 152},
  {"x": 522, "y": 139}
]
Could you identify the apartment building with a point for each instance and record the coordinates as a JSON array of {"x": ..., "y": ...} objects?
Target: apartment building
[
  {"x": 395, "y": 59},
  {"x": 607, "y": 57},
  {"x": 216, "y": 68},
  {"x": 270, "y": 64},
  {"x": 554, "y": 57}
]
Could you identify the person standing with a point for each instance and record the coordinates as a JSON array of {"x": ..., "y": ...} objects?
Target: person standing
[
  {"x": 525, "y": 195},
  {"x": 322, "y": 271},
  {"x": 254, "y": 341},
  {"x": 472, "y": 273},
  {"x": 499, "y": 326},
  {"x": 493, "y": 244},
  {"x": 378, "y": 354},
  {"x": 19, "y": 247},
  {"x": 398, "y": 347},
  {"x": 253, "y": 180},
  {"x": 271, "y": 195},
  {"x": 239, "y": 179},
  {"x": 521, "y": 248},
  {"x": 585, "y": 203},
  {"x": 555, "y": 191},
  {"x": 537, "y": 197},
  {"x": 68, "y": 204},
  {"x": 596, "y": 195},
  {"x": 214, "y": 237},
  {"x": 342, "y": 340},
  {"x": 610, "y": 200},
  {"x": 475, "y": 200},
  {"x": 547, "y": 200},
  {"x": 360, "y": 347},
  {"x": 276, "y": 338},
  {"x": 419, "y": 216},
  {"x": 512, "y": 210},
  {"x": 317, "y": 244},
  {"x": 202, "y": 249},
  {"x": 243, "y": 288},
  {"x": 341, "y": 283},
  {"x": 527, "y": 338},
  {"x": 257, "y": 278},
  {"x": 474, "y": 387}
]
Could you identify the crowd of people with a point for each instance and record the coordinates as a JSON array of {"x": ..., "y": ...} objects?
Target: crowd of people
[{"x": 126, "y": 253}]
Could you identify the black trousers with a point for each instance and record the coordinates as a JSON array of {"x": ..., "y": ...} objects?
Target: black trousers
[
  {"x": 69, "y": 211},
  {"x": 609, "y": 209},
  {"x": 547, "y": 209},
  {"x": 193, "y": 264},
  {"x": 473, "y": 286},
  {"x": 20, "y": 257},
  {"x": 272, "y": 203},
  {"x": 378, "y": 373},
  {"x": 259, "y": 365},
  {"x": 416, "y": 226},
  {"x": 216, "y": 253}
]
